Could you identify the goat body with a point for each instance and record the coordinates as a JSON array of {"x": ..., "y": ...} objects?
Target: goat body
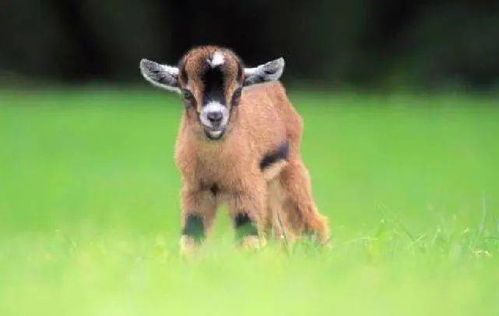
[{"x": 255, "y": 167}]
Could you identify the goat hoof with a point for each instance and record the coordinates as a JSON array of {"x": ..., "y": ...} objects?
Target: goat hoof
[
  {"x": 252, "y": 243},
  {"x": 187, "y": 245}
]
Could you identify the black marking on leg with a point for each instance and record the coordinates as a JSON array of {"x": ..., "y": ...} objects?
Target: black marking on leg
[
  {"x": 194, "y": 227},
  {"x": 282, "y": 152},
  {"x": 244, "y": 226}
]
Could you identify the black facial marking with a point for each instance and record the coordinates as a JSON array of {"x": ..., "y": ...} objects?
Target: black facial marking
[
  {"x": 282, "y": 152},
  {"x": 244, "y": 226},
  {"x": 194, "y": 227},
  {"x": 213, "y": 81}
]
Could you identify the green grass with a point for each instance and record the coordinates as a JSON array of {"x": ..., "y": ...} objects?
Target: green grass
[{"x": 89, "y": 210}]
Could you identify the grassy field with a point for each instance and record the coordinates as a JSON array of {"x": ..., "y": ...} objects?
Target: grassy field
[{"x": 89, "y": 210}]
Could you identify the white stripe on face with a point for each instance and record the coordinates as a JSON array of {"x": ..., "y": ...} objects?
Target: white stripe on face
[{"x": 210, "y": 107}]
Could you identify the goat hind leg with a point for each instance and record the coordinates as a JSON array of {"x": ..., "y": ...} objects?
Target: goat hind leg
[{"x": 299, "y": 205}]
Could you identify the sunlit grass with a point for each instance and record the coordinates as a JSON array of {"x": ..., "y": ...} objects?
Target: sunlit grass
[{"x": 89, "y": 210}]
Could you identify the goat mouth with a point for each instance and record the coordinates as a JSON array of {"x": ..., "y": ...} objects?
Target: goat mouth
[{"x": 214, "y": 134}]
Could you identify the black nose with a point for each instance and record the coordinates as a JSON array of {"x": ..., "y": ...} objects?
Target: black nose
[{"x": 215, "y": 117}]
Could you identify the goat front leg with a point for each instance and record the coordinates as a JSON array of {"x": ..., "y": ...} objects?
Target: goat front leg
[
  {"x": 198, "y": 211},
  {"x": 246, "y": 209}
]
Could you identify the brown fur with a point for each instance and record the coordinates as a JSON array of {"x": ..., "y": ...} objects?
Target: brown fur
[{"x": 280, "y": 197}]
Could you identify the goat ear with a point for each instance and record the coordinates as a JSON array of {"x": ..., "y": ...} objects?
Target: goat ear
[
  {"x": 266, "y": 72},
  {"x": 162, "y": 76}
]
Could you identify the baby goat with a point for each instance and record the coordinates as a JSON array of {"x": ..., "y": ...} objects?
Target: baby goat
[{"x": 238, "y": 143}]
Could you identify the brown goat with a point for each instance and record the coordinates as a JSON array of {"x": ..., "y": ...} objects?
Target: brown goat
[{"x": 238, "y": 143}]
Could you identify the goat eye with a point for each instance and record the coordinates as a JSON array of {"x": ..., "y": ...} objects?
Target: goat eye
[
  {"x": 237, "y": 93},
  {"x": 235, "y": 96},
  {"x": 187, "y": 94}
]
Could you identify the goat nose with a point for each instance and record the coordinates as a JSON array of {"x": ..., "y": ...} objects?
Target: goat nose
[{"x": 215, "y": 117}]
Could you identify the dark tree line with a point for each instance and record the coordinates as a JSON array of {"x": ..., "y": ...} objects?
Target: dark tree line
[{"x": 358, "y": 42}]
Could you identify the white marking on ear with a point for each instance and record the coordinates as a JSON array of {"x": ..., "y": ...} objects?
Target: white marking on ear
[
  {"x": 217, "y": 59},
  {"x": 163, "y": 76},
  {"x": 266, "y": 72}
]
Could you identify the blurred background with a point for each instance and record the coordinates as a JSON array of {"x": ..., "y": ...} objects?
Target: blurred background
[{"x": 358, "y": 43}]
